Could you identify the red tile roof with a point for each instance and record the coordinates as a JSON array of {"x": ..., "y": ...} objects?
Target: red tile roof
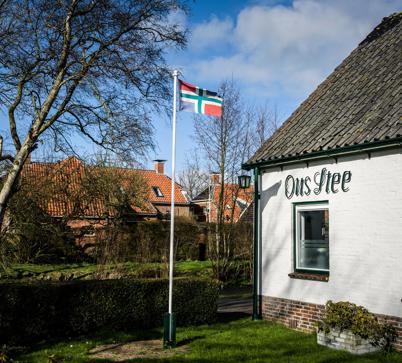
[
  {"x": 164, "y": 183},
  {"x": 235, "y": 201},
  {"x": 69, "y": 173},
  {"x": 232, "y": 198}
]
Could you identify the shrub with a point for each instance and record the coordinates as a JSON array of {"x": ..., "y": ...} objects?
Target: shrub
[
  {"x": 228, "y": 249},
  {"x": 35, "y": 237},
  {"x": 149, "y": 242},
  {"x": 29, "y": 312},
  {"x": 344, "y": 315}
]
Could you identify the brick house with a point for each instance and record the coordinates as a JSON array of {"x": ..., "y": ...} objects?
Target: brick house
[
  {"x": 329, "y": 225},
  {"x": 237, "y": 202},
  {"x": 83, "y": 219}
]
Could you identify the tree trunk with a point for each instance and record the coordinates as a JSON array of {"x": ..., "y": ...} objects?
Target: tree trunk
[
  {"x": 217, "y": 252},
  {"x": 9, "y": 185}
]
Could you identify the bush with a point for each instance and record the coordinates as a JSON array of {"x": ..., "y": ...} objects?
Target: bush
[
  {"x": 235, "y": 247},
  {"x": 35, "y": 237},
  {"x": 29, "y": 312},
  {"x": 149, "y": 242},
  {"x": 344, "y": 315}
]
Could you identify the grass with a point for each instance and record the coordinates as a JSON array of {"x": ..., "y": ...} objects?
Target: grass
[
  {"x": 75, "y": 271},
  {"x": 229, "y": 340},
  {"x": 87, "y": 270}
]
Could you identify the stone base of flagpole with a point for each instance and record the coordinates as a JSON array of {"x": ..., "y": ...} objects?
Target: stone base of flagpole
[{"x": 169, "y": 330}]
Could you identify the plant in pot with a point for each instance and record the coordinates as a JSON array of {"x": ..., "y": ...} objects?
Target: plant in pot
[{"x": 353, "y": 328}]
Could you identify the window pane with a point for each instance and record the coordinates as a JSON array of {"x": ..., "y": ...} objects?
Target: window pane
[
  {"x": 313, "y": 241},
  {"x": 157, "y": 191}
]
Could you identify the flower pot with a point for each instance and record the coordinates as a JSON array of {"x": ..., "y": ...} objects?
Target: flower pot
[{"x": 345, "y": 340}]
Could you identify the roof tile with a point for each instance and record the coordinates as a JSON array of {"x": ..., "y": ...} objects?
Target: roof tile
[{"x": 70, "y": 172}]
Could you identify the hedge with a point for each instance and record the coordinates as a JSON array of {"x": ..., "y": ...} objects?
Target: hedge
[
  {"x": 30, "y": 312},
  {"x": 149, "y": 241}
]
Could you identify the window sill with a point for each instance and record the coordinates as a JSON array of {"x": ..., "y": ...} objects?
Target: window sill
[{"x": 308, "y": 276}]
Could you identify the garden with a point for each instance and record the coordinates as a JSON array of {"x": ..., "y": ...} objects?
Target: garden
[{"x": 108, "y": 306}]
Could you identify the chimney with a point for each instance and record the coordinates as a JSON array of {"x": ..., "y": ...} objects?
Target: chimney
[
  {"x": 215, "y": 178},
  {"x": 160, "y": 166}
]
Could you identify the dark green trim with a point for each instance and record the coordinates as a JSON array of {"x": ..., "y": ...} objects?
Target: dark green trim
[
  {"x": 169, "y": 330},
  {"x": 256, "y": 312},
  {"x": 311, "y": 202},
  {"x": 295, "y": 269},
  {"x": 322, "y": 154}
]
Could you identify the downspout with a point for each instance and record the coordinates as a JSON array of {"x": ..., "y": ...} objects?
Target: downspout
[
  {"x": 256, "y": 264},
  {"x": 209, "y": 200}
]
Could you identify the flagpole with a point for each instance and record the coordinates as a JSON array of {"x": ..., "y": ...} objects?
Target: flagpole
[{"x": 169, "y": 336}]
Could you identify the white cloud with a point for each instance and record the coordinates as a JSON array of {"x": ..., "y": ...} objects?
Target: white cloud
[
  {"x": 288, "y": 48},
  {"x": 211, "y": 33},
  {"x": 178, "y": 17}
]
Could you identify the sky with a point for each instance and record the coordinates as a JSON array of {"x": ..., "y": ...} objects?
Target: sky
[{"x": 277, "y": 52}]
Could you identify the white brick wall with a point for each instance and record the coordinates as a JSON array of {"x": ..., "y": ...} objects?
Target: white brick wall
[
  {"x": 345, "y": 340},
  {"x": 365, "y": 234}
]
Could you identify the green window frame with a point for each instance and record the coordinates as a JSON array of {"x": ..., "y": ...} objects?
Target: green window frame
[{"x": 317, "y": 249}]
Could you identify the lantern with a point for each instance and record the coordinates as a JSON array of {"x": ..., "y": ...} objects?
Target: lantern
[{"x": 244, "y": 181}]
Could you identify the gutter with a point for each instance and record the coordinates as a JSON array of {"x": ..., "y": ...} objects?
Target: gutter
[
  {"x": 184, "y": 204},
  {"x": 322, "y": 154}
]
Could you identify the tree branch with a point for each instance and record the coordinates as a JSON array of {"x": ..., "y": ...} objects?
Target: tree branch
[
  {"x": 6, "y": 156},
  {"x": 11, "y": 115}
]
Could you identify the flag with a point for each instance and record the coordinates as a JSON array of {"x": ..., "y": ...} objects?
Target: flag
[{"x": 199, "y": 100}]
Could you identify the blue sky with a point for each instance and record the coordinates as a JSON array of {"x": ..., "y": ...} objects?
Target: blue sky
[{"x": 277, "y": 52}]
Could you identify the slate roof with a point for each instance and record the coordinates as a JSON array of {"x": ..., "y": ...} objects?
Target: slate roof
[
  {"x": 69, "y": 172},
  {"x": 359, "y": 103},
  {"x": 204, "y": 195}
]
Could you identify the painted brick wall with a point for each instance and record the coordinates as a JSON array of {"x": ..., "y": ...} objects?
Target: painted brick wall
[{"x": 365, "y": 234}]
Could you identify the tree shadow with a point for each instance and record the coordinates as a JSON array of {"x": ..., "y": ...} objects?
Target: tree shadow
[
  {"x": 230, "y": 317},
  {"x": 184, "y": 342}
]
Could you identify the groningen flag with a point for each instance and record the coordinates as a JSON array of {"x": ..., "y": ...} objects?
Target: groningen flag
[{"x": 198, "y": 100}]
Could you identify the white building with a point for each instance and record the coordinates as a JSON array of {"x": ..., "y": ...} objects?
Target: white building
[{"x": 329, "y": 181}]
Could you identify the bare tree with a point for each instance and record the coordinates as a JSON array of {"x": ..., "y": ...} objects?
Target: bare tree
[
  {"x": 192, "y": 178},
  {"x": 88, "y": 67},
  {"x": 226, "y": 142},
  {"x": 267, "y": 122}
]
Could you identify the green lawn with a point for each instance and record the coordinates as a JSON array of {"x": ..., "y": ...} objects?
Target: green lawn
[
  {"x": 88, "y": 271},
  {"x": 230, "y": 340}
]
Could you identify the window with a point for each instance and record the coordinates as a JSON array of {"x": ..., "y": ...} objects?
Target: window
[
  {"x": 157, "y": 192},
  {"x": 311, "y": 237},
  {"x": 88, "y": 231}
]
